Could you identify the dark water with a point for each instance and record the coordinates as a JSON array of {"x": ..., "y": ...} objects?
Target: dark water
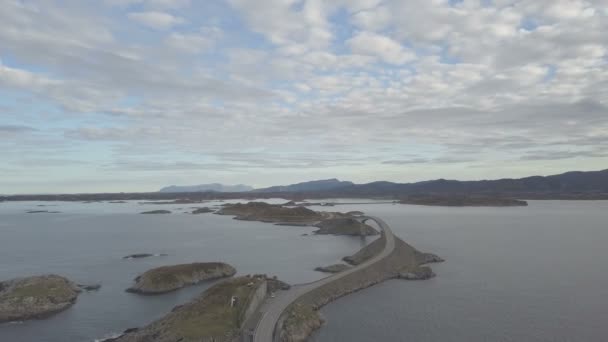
[
  {"x": 512, "y": 274},
  {"x": 86, "y": 243}
]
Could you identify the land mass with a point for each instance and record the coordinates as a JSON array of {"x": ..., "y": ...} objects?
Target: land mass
[
  {"x": 463, "y": 201},
  {"x": 344, "y": 226},
  {"x": 170, "y": 278},
  {"x": 215, "y": 315},
  {"x": 261, "y": 211},
  {"x": 36, "y": 297},
  {"x": 574, "y": 185}
]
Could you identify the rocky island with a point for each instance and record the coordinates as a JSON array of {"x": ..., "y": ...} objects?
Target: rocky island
[
  {"x": 217, "y": 315},
  {"x": 170, "y": 278},
  {"x": 202, "y": 210},
  {"x": 462, "y": 201},
  {"x": 36, "y": 297},
  {"x": 273, "y": 213},
  {"x": 344, "y": 226},
  {"x": 156, "y": 212},
  {"x": 143, "y": 255}
]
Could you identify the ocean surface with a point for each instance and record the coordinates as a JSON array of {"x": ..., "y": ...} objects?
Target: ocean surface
[{"x": 535, "y": 273}]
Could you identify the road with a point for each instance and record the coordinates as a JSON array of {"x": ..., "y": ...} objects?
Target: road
[{"x": 274, "y": 307}]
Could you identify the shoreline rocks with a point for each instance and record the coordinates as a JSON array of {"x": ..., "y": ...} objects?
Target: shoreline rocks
[
  {"x": 420, "y": 273},
  {"x": 170, "y": 278},
  {"x": 36, "y": 297},
  {"x": 336, "y": 268}
]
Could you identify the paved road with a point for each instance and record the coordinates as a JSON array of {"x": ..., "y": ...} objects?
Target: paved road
[{"x": 274, "y": 307}]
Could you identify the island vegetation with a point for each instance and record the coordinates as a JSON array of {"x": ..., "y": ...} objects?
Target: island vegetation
[
  {"x": 261, "y": 211},
  {"x": 216, "y": 315},
  {"x": 170, "y": 278},
  {"x": 36, "y": 297}
]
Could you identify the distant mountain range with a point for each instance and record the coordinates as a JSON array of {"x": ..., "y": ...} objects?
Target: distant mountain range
[
  {"x": 312, "y": 186},
  {"x": 566, "y": 183},
  {"x": 214, "y": 187},
  {"x": 569, "y": 185},
  {"x": 591, "y": 182}
]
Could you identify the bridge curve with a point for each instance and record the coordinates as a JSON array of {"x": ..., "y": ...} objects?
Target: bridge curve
[{"x": 265, "y": 329}]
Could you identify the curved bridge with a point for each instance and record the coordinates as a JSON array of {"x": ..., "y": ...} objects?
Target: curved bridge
[{"x": 274, "y": 308}]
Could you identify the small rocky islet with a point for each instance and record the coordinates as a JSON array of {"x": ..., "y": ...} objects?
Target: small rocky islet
[
  {"x": 143, "y": 255},
  {"x": 170, "y": 278},
  {"x": 152, "y": 212},
  {"x": 37, "y": 297},
  {"x": 202, "y": 210}
]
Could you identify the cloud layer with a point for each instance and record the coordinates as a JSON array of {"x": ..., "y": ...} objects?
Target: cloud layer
[{"x": 278, "y": 91}]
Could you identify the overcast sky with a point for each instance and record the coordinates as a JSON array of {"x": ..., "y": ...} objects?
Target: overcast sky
[{"x": 132, "y": 95}]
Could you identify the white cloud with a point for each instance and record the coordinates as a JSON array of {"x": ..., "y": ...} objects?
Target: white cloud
[
  {"x": 387, "y": 49},
  {"x": 194, "y": 42},
  {"x": 298, "y": 88},
  {"x": 156, "y": 20}
]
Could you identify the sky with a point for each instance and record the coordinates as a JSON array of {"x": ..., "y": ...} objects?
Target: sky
[{"x": 134, "y": 95}]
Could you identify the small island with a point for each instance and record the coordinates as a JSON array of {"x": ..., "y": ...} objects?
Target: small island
[
  {"x": 156, "y": 212},
  {"x": 42, "y": 212},
  {"x": 462, "y": 201},
  {"x": 36, "y": 297},
  {"x": 202, "y": 210},
  {"x": 273, "y": 213},
  {"x": 143, "y": 255},
  {"x": 170, "y": 278}
]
